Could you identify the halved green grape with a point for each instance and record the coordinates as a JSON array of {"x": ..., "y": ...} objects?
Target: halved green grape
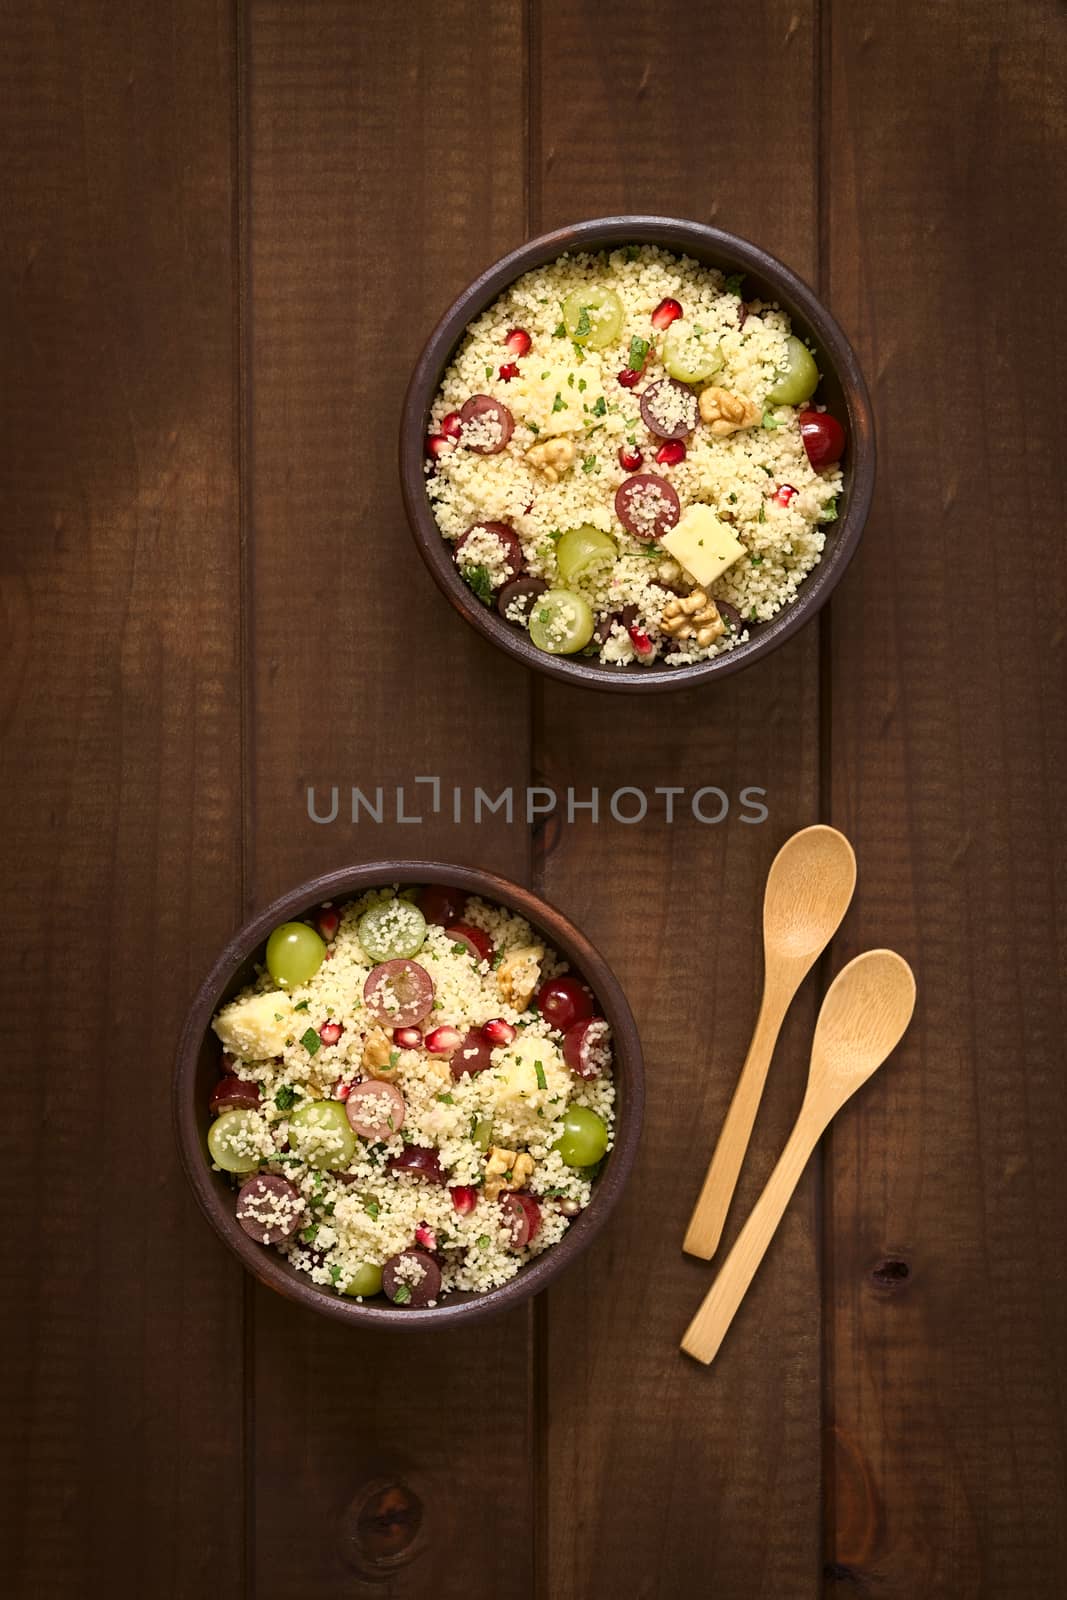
[
  {"x": 365, "y": 1281},
  {"x": 593, "y": 316},
  {"x": 320, "y": 1134},
  {"x": 582, "y": 550},
  {"x": 294, "y": 954},
  {"x": 798, "y": 379},
  {"x": 229, "y": 1139},
  {"x": 561, "y": 622},
  {"x": 584, "y": 1138},
  {"x": 689, "y": 354},
  {"x": 392, "y": 931}
]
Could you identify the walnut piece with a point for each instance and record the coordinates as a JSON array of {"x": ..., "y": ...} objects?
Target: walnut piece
[
  {"x": 519, "y": 974},
  {"x": 506, "y": 1170},
  {"x": 695, "y": 617},
  {"x": 727, "y": 413},
  {"x": 552, "y": 458},
  {"x": 378, "y": 1050}
]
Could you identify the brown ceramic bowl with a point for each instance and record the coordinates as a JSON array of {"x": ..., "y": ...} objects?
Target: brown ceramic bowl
[
  {"x": 197, "y": 1071},
  {"x": 842, "y": 388}
]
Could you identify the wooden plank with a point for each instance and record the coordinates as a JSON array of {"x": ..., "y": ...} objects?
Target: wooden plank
[
  {"x": 386, "y": 169},
  {"x": 662, "y": 1477},
  {"x": 121, "y": 711},
  {"x": 948, "y": 1203}
]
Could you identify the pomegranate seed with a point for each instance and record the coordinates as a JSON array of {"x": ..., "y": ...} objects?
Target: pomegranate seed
[
  {"x": 425, "y": 1236},
  {"x": 443, "y": 1041},
  {"x": 785, "y": 493},
  {"x": 629, "y": 377},
  {"x": 452, "y": 425},
  {"x": 671, "y": 452},
  {"x": 497, "y": 1031},
  {"x": 438, "y": 445},
  {"x": 327, "y": 921},
  {"x": 407, "y": 1038},
  {"x": 665, "y": 313},
  {"x": 330, "y": 1032},
  {"x": 464, "y": 1198},
  {"x": 568, "y": 1208},
  {"x": 518, "y": 342},
  {"x": 341, "y": 1089},
  {"x": 630, "y": 457},
  {"x": 508, "y": 371},
  {"x": 640, "y": 640}
]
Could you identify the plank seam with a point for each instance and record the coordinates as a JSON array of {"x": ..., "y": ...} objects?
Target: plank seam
[{"x": 241, "y": 269}]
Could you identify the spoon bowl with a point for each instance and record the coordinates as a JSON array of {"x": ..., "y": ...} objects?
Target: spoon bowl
[{"x": 809, "y": 888}]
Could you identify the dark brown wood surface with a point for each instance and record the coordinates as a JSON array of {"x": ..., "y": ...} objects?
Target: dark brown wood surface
[{"x": 226, "y": 230}]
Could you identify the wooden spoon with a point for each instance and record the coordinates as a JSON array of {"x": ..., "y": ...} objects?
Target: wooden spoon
[
  {"x": 809, "y": 888},
  {"x": 863, "y": 1018}
]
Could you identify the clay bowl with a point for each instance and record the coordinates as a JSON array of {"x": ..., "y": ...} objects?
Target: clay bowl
[
  {"x": 842, "y": 389},
  {"x": 197, "y": 1068}
]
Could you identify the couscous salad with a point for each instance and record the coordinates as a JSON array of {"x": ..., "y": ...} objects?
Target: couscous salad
[
  {"x": 415, "y": 1095},
  {"x": 627, "y": 460}
]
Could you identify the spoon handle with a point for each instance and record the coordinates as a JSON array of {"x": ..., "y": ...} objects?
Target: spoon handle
[
  {"x": 709, "y": 1214},
  {"x": 706, "y": 1331}
]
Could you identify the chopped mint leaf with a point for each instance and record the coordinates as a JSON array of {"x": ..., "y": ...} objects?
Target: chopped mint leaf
[
  {"x": 446, "y": 1099},
  {"x": 542, "y": 1081},
  {"x": 287, "y": 1097},
  {"x": 762, "y": 513},
  {"x": 589, "y": 463},
  {"x": 311, "y": 1041},
  {"x": 559, "y": 404},
  {"x": 401, "y": 1294},
  {"x": 560, "y": 333},
  {"x": 734, "y": 282},
  {"x": 301, "y": 1006},
  {"x": 477, "y": 578},
  {"x": 631, "y": 252},
  {"x": 308, "y": 1234},
  {"x": 601, "y": 407},
  {"x": 584, "y": 327},
  {"x": 638, "y": 352},
  {"x": 829, "y": 511}
]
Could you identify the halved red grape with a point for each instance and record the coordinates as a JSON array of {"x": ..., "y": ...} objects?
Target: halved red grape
[
  {"x": 419, "y": 1161},
  {"x": 519, "y": 1222},
  {"x": 520, "y": 593},
  {"x": 669, "y": 409},
  {"x": 440, "y": 904},
  {"x": 234, "y": 1094},
  {"x": 533, "y": 1214},
  {"x": 478, "y": 944},
  {"x": 487, "y": 425},
  {"x": 647, "y": 506},
  {"x": 823, "y": 436},
  {"x": 563, "y": 1002},
  {"x": 269, "y": 1208},
  {"x": 375, "y": 1110},
  {"x": 506, "y": 538},
  {"x": 730, "y": 615},
  {"x": 586, "y": 1047},
  {"x": 398, "y": 993},
  {"x": 411, "y": 1278},
  {"x": 473, "y": 1055}
]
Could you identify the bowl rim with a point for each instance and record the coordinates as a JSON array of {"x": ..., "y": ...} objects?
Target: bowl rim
[
  {"x": 269, "y": 1267},
  {"x": 676, "y": 234}
]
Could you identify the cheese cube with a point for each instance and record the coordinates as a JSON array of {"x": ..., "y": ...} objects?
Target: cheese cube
[
  {"x": 547, "y": 394},
  {"x": 702, "y": 544},
  {"x": 514, "y": 1083},
  {"x": 256, "y": 1028}
]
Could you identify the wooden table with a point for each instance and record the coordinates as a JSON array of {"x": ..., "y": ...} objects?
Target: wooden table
[{"x": 227, "y": 230}]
